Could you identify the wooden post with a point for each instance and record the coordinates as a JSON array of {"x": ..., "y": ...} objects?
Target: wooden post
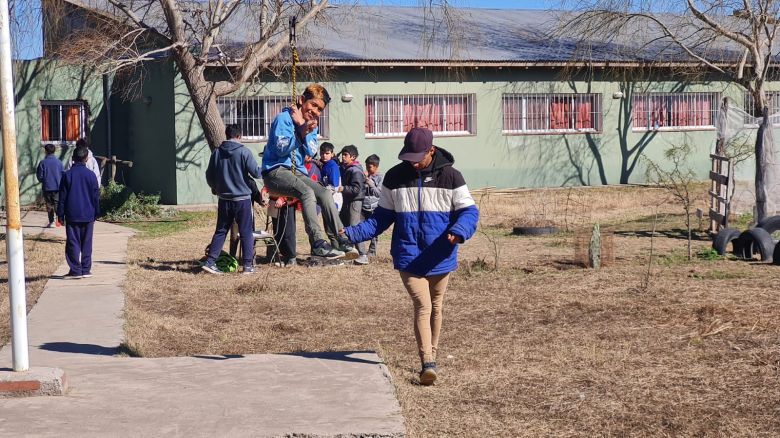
[{"x": 594, "y": 250}]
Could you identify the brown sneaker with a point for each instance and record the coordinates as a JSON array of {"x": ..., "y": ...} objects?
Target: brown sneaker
[{"x": 428, "y": 374}]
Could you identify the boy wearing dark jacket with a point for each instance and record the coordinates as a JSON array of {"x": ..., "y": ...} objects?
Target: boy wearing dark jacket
[
  {"x": 49, "y": 173},
  {"x": 353, "y": 186},
  {"x": 230, "y": 165},
  {"x": 78, "y": 208},
  {"x": 433, "y": 212}
]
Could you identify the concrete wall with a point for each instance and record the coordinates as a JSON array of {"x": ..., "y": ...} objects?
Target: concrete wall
[{"x": 39, "y": 80}]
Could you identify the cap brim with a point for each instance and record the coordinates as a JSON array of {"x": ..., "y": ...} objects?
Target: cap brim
[{"x": 412, "y": 156}]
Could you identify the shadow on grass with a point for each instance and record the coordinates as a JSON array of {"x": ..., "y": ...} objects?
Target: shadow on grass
[
  {"x": 187, "y": 266},
  {"x": 336, "y": 355},
  {"x": 73, "y": 347},
  {"x": 4, "y": 280},
  {"x": 674, "y": 233}
]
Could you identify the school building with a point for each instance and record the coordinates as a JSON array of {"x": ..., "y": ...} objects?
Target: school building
[{"x": 512, "y": 107}]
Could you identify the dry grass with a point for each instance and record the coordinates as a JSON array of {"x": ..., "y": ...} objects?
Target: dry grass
[
  {"x": 42, "y": 255},
  {"x": 538, "y": 347}
]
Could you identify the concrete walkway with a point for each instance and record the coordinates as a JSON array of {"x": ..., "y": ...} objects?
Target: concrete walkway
[{"x": 77, "y": 326}]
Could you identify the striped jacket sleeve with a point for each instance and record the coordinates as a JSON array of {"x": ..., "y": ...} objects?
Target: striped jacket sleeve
[
  {"x": 380, "y": 220},
  {"x": 467, "y": 215}
]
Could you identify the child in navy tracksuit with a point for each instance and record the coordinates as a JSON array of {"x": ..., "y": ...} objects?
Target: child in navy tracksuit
[
  {"x": 230, "y": 166},
  {"x": 49, "y": 173},
  {"x": 78, "y": 208}
]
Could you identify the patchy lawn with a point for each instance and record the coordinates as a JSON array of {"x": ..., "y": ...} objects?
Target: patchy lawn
[
  {"x": 538, "y": 346},
  {"x": 42, "y": 255}
]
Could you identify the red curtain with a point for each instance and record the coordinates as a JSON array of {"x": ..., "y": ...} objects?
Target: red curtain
[
  {"x": 659, "y": 109},
  {"x": 535, "y": 114},
  {"x": 72, "y": 123},
  {"x": 45, "y": 123},
  {"x": 370, "y": 116},
  {"x": 584, "y": 111}
]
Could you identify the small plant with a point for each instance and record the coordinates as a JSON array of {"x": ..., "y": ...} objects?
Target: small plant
[
  {"x": 742, "y": 221},
  {"x": 119, "y": 203},
  {"x": 709, "y": 254}
]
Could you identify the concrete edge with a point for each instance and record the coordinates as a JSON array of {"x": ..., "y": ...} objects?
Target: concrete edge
[{"x": 37, "y": 381}]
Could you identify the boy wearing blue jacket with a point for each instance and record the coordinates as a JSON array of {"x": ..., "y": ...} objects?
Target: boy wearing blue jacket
[
  {"x": 49, "y": 173},
  {"x": 230, "y": 165},
  {"x": 292, "y": 137},
  {"x": 433, "y": 212},
  {"x": 78, "y": 208}
]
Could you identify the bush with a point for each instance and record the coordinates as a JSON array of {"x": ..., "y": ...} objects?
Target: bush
[{"x": 119, "y": 203}]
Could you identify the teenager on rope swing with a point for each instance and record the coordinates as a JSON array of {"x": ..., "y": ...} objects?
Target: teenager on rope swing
[{"x": 293, "y": 136}]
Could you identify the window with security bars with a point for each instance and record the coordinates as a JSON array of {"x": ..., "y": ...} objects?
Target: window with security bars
[
  {"x": 674, "y": 111},
  {"x": 63, "y": 121},
  {"x": 773, "y": 103},
  {"x": 256, "y": 113},
  {"x": 551, "y": 113},
  {"x": 444, "y": 114}
]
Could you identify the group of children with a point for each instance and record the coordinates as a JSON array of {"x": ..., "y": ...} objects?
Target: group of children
[
  {"x": 355, "y": 192},
  {"x": 72, "y": 193}
]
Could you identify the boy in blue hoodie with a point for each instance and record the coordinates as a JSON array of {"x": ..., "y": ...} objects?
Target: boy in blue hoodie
[
  {"x": 230, "y": 165},
  {"x": 49, "y": 173},
  {"x": 78, "y": 208}
]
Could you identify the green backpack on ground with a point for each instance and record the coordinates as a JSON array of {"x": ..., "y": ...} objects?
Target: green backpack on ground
[{"x": 226, "y": 262}]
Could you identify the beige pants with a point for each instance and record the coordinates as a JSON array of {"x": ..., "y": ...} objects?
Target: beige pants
[{"x": 427, "y": 295}]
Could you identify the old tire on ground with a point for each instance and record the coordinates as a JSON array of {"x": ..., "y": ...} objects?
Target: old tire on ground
[
  {"x": 722, "y": 240},
  {"x": 776, "y": 257},
  {"x": 534, "y": 231},
  {"x": 754, "y": 241},
  {"x": 770, "y": 224}
]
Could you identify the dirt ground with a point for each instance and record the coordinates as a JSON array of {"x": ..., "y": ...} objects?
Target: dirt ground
[
  {"x": 42, "y": 255},
  {"x": 533, "y": 344}
]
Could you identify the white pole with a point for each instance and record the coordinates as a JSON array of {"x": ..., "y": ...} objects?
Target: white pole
[{"x": 14, "y": 239}]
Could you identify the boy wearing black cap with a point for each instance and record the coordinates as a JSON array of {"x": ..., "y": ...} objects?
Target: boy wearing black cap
[{"x": 433, "y": 212}]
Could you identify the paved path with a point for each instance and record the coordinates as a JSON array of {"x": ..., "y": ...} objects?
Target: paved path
[{"x": 77, "y": 326}]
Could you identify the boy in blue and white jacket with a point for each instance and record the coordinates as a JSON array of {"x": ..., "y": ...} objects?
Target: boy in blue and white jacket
[{"x": 428, "y": 201}]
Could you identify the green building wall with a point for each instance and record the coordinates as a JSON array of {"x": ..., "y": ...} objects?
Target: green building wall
[
  {"x": 488, "y": 158},
  {"x": 39, "y": 80}
]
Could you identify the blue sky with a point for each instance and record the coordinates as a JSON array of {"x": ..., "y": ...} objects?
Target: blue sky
[{"x": 29, "y": 40}]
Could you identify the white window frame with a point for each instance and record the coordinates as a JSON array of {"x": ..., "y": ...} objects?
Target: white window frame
[
  {"x": 596, "y": 113},
  {"x": 714, "y": 108},
  {"x": 62, "y": 103},
  {"x": 324, "y": 122},
  {"x": 470, "y": 101}
]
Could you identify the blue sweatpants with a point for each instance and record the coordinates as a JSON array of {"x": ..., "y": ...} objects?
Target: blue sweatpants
[
  {"x": 227, "y": 213},
  {"x": 78, "y": 247}
]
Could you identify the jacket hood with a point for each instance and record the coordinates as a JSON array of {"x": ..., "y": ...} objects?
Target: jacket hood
[
  {"x": 229, "y": 146},
  {"x": 352, "y": 164}
]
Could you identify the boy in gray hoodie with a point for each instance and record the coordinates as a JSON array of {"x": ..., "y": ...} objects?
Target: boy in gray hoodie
[{"x": 230, "y": 166}]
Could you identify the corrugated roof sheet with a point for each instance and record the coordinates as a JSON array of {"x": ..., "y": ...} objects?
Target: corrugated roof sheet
[{"x": 386, "y": 35}]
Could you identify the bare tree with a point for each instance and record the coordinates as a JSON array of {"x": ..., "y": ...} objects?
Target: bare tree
[
  {"x": 239, "y": 37},
  {"x": 733, "y": 38}
]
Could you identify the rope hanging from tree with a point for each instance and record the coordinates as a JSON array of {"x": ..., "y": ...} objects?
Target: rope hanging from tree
[{"x": 295, "y": 59}]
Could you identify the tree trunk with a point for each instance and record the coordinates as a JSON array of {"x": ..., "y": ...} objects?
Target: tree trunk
[
  {"x": 204, "y": 100},
  {"x": 764, "y": 174}
]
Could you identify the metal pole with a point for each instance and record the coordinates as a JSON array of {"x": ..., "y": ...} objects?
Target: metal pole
[{"x": 14, "y": 239}]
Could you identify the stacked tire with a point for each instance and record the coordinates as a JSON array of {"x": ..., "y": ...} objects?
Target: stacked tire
[{"x": 755, "y": 241}]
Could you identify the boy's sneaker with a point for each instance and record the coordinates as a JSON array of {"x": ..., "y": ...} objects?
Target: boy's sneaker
[
  {"x": 71, "y": 276},
  {"x": 49, "y": 225},
  {"x": 211, "y": 268},
  {"x": 58, "y": 224},
  {"x": 322, "y": 248},
  {"x": 87, "y": 275},
  {"x": 428, "y": 374},
  {"x": 361, "y": 260},
  {"x": 248, "y": 270},
  {"x": 291, "y": 262},
  {"x": 346, "y": 246}
]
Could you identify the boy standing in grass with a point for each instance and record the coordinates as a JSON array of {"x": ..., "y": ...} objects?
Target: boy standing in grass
[
  {"x": 353, "y": 186},
  {"x": 433, "y": 212},
  {"x": 49, "y": 173},
  {"x": 330, "y": 173},
  {"x": 230, "y": 166},
  {"x": 373, "y": 190},
  {"x": 78, "y": 208}
]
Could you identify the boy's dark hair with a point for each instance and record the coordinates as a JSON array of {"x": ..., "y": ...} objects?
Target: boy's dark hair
[
  {"x": 326, "y": 147},
  {"x": 80, "y": 154},
  {"x": 232, "y": 131},
  {"x": 49, "y": 148},
  {"x": 82, "y": 142},
  {"x": 350, "y": 149},
  {"x": 372, "y": 159}
]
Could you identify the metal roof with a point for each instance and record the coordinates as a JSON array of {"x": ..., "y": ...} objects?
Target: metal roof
[{"x": 392, "y": 35}]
